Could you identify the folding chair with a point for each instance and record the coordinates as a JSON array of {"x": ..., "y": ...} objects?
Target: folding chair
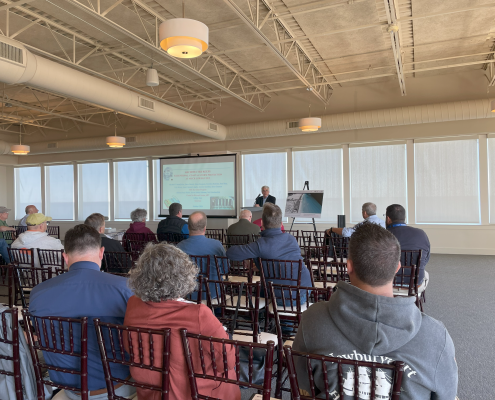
[
  {"x": 5, "y": 342},
  {"x": 56, "y": 335},
  {"x": 51, "y": 258},
  {"x": 287, "y": 315},
  {"x": 343, "y": 376},
  {"x": 7, "y": 284},
  {"x": 213, "y": 363},
  {"x": 117, "y": 263},
  {"x": 148, "y": 349}
]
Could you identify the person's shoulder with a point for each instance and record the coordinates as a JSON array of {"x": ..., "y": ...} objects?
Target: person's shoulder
[{"x": 50, "y": 284}]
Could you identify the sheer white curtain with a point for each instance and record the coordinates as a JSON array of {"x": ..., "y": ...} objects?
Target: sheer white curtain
[
  {"x": 378, "y": 175},
  {"x": 447, "y": 182},
  {"x": 27, "y": 189},
  {"x": 491, "y": 177},
  {"x": 268, "y": 169},
  {"x": 59, "y": 192},
  {"x": 323, "y": 170},
  {"x": 94, "y": 190},
  {"x": 131, "y": 187},
  {"x": 156, "y": 189}
]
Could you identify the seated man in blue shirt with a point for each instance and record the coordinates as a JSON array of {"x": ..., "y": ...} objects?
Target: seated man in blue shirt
[
  {"x": 369, "y": 214},
  {"x": 84, "y": 291},
  {"x": 199, "y": 245}
]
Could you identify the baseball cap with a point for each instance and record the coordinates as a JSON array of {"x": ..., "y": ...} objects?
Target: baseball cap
[
  {"x": 4, "y": 209},
  {"x": 37, "y": 219}
]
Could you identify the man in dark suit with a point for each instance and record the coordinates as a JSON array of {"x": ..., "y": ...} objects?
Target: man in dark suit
[{"x": 266, "y": 198}]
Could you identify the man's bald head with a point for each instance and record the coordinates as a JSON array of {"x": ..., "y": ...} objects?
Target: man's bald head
[
  {"x": 197, "y": 223},
  {"x": 31, "y": 209},
  {"x": 246, "y": 214}
]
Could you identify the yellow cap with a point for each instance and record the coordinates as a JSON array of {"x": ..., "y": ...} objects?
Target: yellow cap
[{"x": 37, "y": 219}]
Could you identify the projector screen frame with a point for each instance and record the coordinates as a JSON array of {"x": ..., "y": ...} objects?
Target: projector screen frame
[{"x": 236, "y": 208}]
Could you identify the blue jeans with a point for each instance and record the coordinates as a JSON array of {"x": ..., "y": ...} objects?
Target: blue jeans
[{"x": 3, "y": 251}]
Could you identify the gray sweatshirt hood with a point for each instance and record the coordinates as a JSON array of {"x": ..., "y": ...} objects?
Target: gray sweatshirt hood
[
  {"x": 29, "y": 238},
  {"x": 356, "y": 314}
]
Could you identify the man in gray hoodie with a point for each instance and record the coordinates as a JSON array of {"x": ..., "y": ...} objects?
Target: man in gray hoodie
[{"x": 363, "y": 321}]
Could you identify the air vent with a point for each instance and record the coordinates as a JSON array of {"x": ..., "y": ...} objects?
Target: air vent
[
  {"x": 11, "y": 53},
  {"x": 146, "y": 103},
  {"x": 52, "y": 145},
  {"x": 292, "y": 124},
  {"x": 131, "y": 139},
  {"x": 212, "y": 127}
]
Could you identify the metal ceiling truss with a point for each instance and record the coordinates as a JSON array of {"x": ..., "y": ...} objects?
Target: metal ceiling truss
[
  {"x": 150, "y": 20},
  {"x": 393, "y": 16},
  {"x": 74, "y": 59},
  {"x": 288, "y": 47}
]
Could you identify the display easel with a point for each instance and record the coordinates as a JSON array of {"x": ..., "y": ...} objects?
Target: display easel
[{"x": 306, "y": 187}]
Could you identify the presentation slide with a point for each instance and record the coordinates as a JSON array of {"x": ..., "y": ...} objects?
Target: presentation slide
[
  {"x": 304, "y": 204},
  {"x": 201, "y": 183}
]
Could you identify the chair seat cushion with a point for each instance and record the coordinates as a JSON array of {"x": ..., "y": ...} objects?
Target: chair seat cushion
[
  {"x": 304, "y": 307},
  {"x": 320, "y": 284},
  {"x": 215, "y": 300},
  {"x": 243, "y": 302}
]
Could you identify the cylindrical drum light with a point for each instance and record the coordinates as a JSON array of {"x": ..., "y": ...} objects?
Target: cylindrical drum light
[
  {"x": 20, "y": 149},
  {"x": 152, "y": 77},
  {"x": 310, "y": 124},
  {"x": 183, "y": 37},
  {"x": 115, "y": 141}
]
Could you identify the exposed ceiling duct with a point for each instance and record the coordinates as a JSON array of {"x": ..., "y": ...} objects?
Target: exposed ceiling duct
[
  {"x": 18, "y": 65},
  {"x": 432, "y": 113}
]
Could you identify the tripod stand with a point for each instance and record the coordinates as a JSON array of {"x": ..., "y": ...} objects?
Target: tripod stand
[{"x": 306, "y": 187}]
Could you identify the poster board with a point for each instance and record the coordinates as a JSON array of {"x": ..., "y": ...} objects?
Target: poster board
[{"x": 304, "y": 204}]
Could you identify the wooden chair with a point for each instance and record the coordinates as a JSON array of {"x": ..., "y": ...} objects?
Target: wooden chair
[
  {"x": 216, "y": 234},
  {"x": 39, "y": 330},
  {"x": 148, "y": 349},
  {"x": 238, "y": 271},
  {"x": 8, "y": 236},
  {"x": 51, "y": 258},
  {"x": 404, "y": 285},
  {"x": 22, "y": 257},
  {"x": 117, "y": 263},
  {"x": 313, "y": 238},
  {"x": 213, "y": 357},
  {"x": 236, "y": 240},
  {"x": 343, "y": 376},
  {"x": 172, "y": 238},
  {"x": 19, "y": 229},
  {"x": 287, "y": 315},
  {"x": 13, "y": 323},
  {"x": 7, "y": 284},
  {"x": 327, "y": 273},
  {"x": 197, "y": 295},
  {"x": 53, "y": 231},
  {"x": 26, "y": 278}
]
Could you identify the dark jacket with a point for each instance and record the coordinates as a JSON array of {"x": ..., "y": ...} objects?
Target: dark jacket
[
  {"x": 269, "y": 199},
  {"x": 276, "y": 245},
  {"x": 243, "y": 227},
  {"x": 111, "y": 244},
  {"x": 358, "y": 325},
  {"x": 413, "y": 239},
  {"x": 171, "y": 224}
]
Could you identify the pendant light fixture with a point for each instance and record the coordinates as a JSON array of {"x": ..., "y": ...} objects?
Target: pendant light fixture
[
  {"x": 20, "y": 149},
  {"x": 183, "y": 37},
  {"x": 309, "y": 124},
  {"x": 152, "y": 77},
  {"x": 116, "y": 141}
]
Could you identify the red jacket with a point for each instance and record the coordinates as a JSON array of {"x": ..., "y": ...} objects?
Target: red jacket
[
  {"x": 258, "y": 222},
  {"x": 138, "y": 227},
  {"x": 175, "y": 315}
]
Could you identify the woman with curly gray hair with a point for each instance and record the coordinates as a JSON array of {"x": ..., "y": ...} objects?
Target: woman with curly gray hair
[
  {"x": 138, "y": 224},
  {"x": 164, "y": 275}
]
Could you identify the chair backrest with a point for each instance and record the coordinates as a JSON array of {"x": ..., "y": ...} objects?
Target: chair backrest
[
  {"x": 8, "y": 235},
  {"x": 339, "y": 241},
  {"x": 340, "y": 253},
  {"x": 148, "y": 349},
  {"x": 14, "y": 342},
  {"x": 255, "y": 237},
  {"x": 216, "y": 234},
  {"x": 318, "y": 253},
  {"x": 22, "y": 257},
  {"x": 56, "y": 335},
  {"x": 117, "y": 262},
  {"x": 236, "y": 240},
  {"x": 409, "y": 258},
  {"x": 197, "y": 295},
  {"x": 343, "y": 377},
  {"x": 328, "y": 273},
  {"x": 214, "y": 360},
  {"x": 313, "y": 238},
  {"x": 53, "y": 231},
  {"x": 19, "y": 229},
  {"x": 229, "y": 267},
  {"x": 7, "y": 283},
  {"x": 51, "y": 258},
  {"x": 289, "y": 271},
  {"x": 27, "y": 278},
  {"x": 296, "y": 234},
  {"x": 172, "y": 238}
]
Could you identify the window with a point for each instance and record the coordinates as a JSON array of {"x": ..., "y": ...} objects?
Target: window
[
  {"x": 94, "y": 193},
  {"x": 447, "y": 182},
  {"x": 59, "y": 192},
  {"x": 156, "y": 190},
  {"x": 491, "y": 177},
  {"x": 378, "y": 175},
  {"x": 27, "y": 189},
  {"x": 268, "y": 169},
  {"x": 131, "y": 187},
  {"x": 323, "y": 170}
]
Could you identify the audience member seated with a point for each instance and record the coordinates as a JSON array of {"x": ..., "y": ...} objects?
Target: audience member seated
[
  {"x": 259, "y": 221},
  {"x": 273, "y": 244},
  {"x": 363, "y": 321},
  {"x": 4, "y": 250},
  {"x": 410, "y": 238},
  {"x": 29, "y": 210},
  {"x": 174, "y": 222},
  {"x": 369, "y": 214},
  {"x": 199, "y": 245},
  {"x": 4, "y": 215},
  {"x": 164, "y": 275},
  {"x": 244, "y": 226},
  {"x": 36, "y": 237},
  {"x": 84, "y": 291},
  {"x": 97, "y": 221},
  {"x": 138, "y": 224}
]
